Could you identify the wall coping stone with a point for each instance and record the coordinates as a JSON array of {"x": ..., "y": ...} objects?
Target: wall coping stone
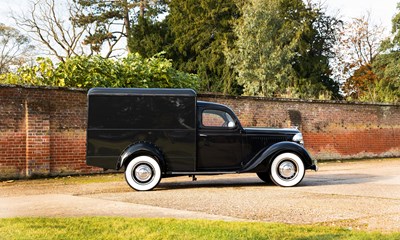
[{"x": 222, "y": 96}]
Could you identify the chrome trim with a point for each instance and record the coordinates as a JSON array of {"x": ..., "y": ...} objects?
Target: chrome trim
[
  {"x": 143, "y": 173},
  {"x": 298, "y": 137},
  {"x": 287, "y": 170}
]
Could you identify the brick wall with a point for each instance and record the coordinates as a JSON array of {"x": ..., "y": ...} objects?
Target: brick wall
[{"x": 42, "y": 130}]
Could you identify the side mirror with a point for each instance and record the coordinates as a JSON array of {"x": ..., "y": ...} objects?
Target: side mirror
[{"x": 231, "y": 125}]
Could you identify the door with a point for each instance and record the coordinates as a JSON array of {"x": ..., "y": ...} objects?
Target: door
[{"x": 219, "y": 146}]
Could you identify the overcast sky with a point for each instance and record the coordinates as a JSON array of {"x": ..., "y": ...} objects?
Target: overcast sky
[{"x": 382, "y": 11}]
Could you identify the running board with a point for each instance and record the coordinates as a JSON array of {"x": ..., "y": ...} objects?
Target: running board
[{"x": 202, "y": 173}]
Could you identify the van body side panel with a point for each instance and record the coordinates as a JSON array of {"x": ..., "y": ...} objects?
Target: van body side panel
[
  {"x": 116, "y": 121},
  {"x": 106, "y": 146}
]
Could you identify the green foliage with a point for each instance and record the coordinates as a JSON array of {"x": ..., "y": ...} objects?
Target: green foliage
[
  {"x": 100, "y": 14},
  {"x": 95, "y": 71},
  {"x": 282, "y": 50},
  {"x": 262, "y": 55},
  {"x": 269, "y": 48},
  {"x": 314, "y": 52},
  {"x": 149, "y": 37},
  {"x": 395, "y": 43},
  {"x": 201, "y": 29},
  {"x": 387, "y": 88}
]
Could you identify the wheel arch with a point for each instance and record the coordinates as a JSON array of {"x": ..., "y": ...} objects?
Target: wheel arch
[
  {"x": 141, "y": 148},
  {"x": 263, "y": 160}
]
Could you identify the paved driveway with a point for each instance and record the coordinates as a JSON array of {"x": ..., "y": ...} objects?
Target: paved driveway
[{"x": 363, "y": 195}]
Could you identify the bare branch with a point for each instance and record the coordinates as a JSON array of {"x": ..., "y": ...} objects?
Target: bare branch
[
  {"x": 15, "y": 48},
  {"x": 358, "y": 44},
  {"x": 56, "y": 31}
]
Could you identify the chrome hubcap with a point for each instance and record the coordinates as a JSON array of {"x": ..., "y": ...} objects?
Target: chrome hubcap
[
  {"x": 143, "y": 173},
  {"x": 287, "y": 170}
]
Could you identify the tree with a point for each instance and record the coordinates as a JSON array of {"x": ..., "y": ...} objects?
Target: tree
[
  {"x": 149, "y": 37},
  {"x": 358, "y": 45},
  {"x": 256, "y": 43},
  {"x": 387, "y": 87},
  {"x": 361, "y": 83},
  {"x": 314, "y": 53},
  {"x": 201, "y": 29},
  {"x": 53, "y": 31},
  {"x": 281, "y": 51},
  {"x": 115, "y": 20},
  {"x": 15, "y": 48},
  {"x": 47, "y": 28},
  {"x": 387, "y": 67}
]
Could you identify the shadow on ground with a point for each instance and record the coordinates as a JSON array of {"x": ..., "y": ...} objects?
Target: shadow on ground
[{"x": 324, "y": 180}]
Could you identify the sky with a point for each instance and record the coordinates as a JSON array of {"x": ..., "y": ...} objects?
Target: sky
[{"x": 382, "y": 11}]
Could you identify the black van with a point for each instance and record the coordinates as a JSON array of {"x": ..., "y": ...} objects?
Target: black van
[{"x": 155, "y": 133}]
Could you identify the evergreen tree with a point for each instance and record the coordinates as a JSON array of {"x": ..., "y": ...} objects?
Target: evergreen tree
[
  {"x": 201, "y": 29},
  {"x": 149, "y": 37},
  {"x": 312, "y": 63}
]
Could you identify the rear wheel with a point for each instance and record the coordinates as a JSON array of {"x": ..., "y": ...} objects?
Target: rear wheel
[
  {"x": 143, "y": 173},
  {"x": 287, "y": 170}
]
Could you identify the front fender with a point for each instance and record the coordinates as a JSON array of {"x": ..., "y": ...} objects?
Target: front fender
[
  {"x": 141, "y": 148},
  {"x": 265, "y": 156}
]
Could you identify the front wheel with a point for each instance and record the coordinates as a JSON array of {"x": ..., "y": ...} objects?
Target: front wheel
[
  {"x": 143, "y": 173},
  {"x": 265, "y": 176},
  {"x": 287, "y": 170}
]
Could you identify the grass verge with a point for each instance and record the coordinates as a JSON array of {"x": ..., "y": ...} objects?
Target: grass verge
[{"x": 132, "y": 228}]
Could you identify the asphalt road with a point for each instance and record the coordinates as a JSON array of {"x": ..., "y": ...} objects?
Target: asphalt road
[{"x": 357, "y": 195}]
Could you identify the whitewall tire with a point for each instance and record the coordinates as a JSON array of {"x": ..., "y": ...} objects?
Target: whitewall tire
[
  {"x": 287, "y": 170},
  {"x": 143, "y": 173}
]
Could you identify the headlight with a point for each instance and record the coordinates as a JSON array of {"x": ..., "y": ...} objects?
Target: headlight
[{"x": 298, "y": 138}]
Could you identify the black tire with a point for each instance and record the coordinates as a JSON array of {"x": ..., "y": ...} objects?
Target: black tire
[
  {"x": 143, "y": 173},
  {"x": 265, "y": 176}
]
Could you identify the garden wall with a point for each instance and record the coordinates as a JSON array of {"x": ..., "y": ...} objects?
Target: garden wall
[{"x": 43, "y": 130}]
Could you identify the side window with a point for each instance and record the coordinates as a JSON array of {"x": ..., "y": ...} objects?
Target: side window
[{"x": 216, "y": 118}]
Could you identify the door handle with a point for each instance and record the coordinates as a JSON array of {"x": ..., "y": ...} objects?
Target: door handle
[{"x": 203, "y": 135}]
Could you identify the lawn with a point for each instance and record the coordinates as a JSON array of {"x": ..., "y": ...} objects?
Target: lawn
[{"x": 131, "y": 228}]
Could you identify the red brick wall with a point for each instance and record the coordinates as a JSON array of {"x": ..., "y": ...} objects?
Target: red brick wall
[{"x": 43, "y": 130}]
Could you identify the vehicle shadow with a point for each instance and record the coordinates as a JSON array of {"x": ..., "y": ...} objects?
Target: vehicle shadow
[
  {"x": 214, "y": 183},
  {"x": 311, "y": 181},
  {"x": 339, "y": 179}
]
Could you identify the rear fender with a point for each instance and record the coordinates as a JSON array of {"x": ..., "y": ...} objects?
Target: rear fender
[
  {"x": 266, "y": 156},
  {"x": 141, "y": 148}
]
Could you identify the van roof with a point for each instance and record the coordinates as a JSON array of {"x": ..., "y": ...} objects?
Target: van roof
[{"x": 143, "y": 92}]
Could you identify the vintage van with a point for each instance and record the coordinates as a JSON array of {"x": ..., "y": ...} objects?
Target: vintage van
[{"x": 156, "y": 133}]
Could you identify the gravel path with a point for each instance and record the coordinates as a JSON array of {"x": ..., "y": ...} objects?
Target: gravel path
[{"x": 360, "y": 195}]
